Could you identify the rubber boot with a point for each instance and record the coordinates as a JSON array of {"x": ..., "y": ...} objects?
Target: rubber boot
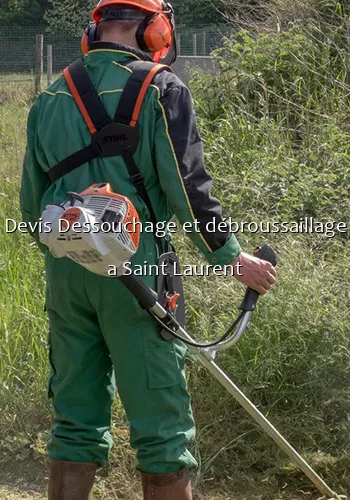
[
  {"x": 174, "y": 486},
  {"x": 71, "y": 480}
]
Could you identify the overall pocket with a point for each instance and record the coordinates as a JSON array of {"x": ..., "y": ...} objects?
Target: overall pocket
[{"x": 162, "y": 365}]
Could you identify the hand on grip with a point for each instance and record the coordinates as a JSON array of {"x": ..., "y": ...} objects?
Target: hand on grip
[{"x": 258, "y": 274}]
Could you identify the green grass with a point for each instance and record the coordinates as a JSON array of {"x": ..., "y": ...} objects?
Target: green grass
[
  {"x": 278, "y": 148},
  {"x": 277, "y": 140}
]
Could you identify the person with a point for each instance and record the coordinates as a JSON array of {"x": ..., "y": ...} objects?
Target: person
[{"x": 100, "y": 339}]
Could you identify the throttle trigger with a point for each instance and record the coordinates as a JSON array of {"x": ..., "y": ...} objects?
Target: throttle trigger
[{"x": 171, "y": 301}]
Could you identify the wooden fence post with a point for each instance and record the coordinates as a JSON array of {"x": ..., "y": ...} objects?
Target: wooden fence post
[
  {"x": 195, "y": 44},
  {"x": 39, "y": 63},
  {"x": 49, "y": 65},
  {"x": 179, "y": 45}
]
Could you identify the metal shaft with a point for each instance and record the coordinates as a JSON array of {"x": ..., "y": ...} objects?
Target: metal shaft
[
  {"x": 266, "y": 425},
  {"x": 254, "y": 412}
]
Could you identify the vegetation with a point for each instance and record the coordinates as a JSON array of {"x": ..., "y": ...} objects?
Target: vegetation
[
  {"x": 276, "y": 130},
  {"x": 21, "y": 12},
  {"x": 68, "y": 16},
  {"x": 275, "y": 124}
]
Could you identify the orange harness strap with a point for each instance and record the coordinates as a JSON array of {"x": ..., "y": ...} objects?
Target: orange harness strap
[
  {"x": 142, "y": 94},
  {"x": 79, "y": 101}
]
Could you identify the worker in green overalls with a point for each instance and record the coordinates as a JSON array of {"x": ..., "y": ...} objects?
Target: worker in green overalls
[{"x": 100, "y": 339}]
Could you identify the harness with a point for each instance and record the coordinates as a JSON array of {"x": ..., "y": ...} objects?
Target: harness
[{"x": 119, "y": 136}]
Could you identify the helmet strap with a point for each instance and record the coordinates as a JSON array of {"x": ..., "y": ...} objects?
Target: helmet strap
[{"x": 122, "y": 14}]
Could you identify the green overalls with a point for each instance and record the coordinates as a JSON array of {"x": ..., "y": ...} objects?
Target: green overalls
[{"x": 100, "y": 339}]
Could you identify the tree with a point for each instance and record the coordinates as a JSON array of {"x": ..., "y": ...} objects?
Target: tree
[
  {"x": 71, "y": 15},
  {"x": 68, "y": 16},
  {"x": 22, "y": 12},
  {"x": 198, "y": 12}
]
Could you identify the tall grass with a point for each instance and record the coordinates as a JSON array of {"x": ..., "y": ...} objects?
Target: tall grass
[
  {"x": 275, "y": 125},
  {"x": 23, "y": 364}
]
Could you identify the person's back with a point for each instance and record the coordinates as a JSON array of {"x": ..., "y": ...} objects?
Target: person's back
[
  {"x": 62, "y": 132},
  {"x": 100, "y": 339}
]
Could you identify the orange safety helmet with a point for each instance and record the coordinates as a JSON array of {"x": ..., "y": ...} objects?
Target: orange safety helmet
[
  {"x": 152, "y": 6},
  {"x": 156, "y": 33}
]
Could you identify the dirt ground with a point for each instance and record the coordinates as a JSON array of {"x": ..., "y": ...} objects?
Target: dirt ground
[
  {"x": 27, "y": 480},
  {"x": 30, "y": 483},
  {"x": 24, "y": 476}
]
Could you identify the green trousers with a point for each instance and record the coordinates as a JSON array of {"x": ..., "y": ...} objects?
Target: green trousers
[{"x": 101, "y": 340}]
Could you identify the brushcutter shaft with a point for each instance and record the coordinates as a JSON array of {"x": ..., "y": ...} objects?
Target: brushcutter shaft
[
  {"x": 261, "y": 420},
  {"x": 252, "y": 410},
  {"x": 267, "y": 426}
]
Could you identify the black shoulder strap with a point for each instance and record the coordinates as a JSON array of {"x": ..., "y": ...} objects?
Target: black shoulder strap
[
  {"x": 128, "y": 110},
  {"x": 102, "y": 127},
  {"x": 85, "y": 95},
  {"x": 143, "y": 73}
]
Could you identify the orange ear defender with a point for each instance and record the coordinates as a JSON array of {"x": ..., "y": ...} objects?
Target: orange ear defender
[
  {"x": 156, "y": 32},
  {"x": 89, "y": 36}
]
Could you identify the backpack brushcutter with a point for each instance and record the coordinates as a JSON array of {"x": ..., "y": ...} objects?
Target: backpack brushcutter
[{"x": 92, "y": 229}]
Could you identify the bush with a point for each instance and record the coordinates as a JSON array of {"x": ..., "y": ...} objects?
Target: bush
[{"x": 275, "y": 123}]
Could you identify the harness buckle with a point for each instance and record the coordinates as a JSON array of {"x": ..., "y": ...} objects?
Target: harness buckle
[{"x": 137, "y": 179}]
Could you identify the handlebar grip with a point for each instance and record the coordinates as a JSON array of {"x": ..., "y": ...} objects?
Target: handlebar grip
[
  {"x": 146, "y": 297},
  {"x": 251, "y": 297}
]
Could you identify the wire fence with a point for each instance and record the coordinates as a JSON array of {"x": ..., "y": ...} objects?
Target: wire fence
[{"x": 18, "y": 45}]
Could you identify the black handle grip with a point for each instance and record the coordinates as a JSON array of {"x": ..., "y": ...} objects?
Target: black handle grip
[
  {"x": 251, "y": 297},
  {"x": 146, "y": 297}
]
